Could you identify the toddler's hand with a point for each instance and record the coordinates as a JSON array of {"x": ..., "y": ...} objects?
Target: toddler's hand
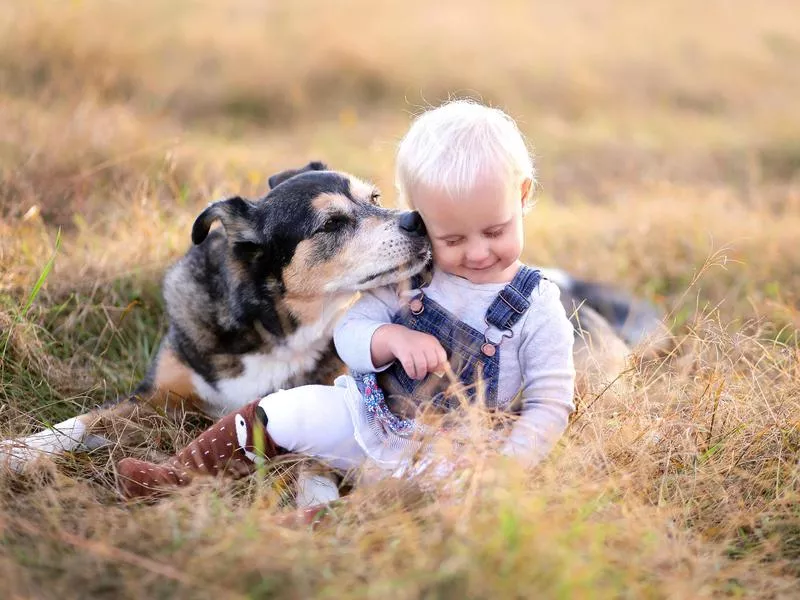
[{"x": 419, "y": 353}]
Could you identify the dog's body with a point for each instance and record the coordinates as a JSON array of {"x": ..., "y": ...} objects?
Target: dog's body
[{"x": 252, "y": 306}]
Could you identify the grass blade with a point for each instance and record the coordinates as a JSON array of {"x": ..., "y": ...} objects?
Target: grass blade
[{"x": 42, "y": 276}]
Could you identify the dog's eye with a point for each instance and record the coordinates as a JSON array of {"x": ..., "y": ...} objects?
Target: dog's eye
[
  {"x": 375, "y": 197},
  {"x": 333, "y": 224},
  {"x": 246, "y": 250}
]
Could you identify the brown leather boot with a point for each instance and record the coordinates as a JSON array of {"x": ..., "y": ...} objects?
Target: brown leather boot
[{"x": 233, "y": 446}]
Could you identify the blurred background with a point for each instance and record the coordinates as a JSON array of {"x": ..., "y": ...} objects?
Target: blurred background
[{"x": 614, "y": 96}]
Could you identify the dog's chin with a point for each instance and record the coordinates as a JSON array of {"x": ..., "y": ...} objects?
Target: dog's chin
[{"x": 388, "y": 276}]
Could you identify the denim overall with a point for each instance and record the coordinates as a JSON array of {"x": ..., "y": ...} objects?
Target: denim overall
[{"x": 393, "y": 398}]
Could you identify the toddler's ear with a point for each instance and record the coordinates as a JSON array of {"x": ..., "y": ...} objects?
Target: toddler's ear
[{"x": 526, "y": 189}]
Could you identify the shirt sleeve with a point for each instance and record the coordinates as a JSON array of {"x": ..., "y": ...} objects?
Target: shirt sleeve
[
  {"x": 353, "y": 334},
  {"x": 548, "y": 375}
]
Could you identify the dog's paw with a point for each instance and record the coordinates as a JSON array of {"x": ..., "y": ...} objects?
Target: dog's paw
[
  {"x": 17, "y": 455},
  {"x": 67, "y": 436}
]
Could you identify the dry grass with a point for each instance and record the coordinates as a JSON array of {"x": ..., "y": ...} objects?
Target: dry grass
[{"x": 669, "y": 150}]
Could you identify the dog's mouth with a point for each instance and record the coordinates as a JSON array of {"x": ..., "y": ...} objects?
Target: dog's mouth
[
  {"x": 381, "y": 274},
  {"x": 408, "y": 269}
]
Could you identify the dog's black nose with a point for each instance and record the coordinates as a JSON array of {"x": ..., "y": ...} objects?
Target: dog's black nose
[{"x": 412, "y": 223}]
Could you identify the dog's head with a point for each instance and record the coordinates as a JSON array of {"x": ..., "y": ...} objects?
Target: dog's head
[{"x": 318, "y": 232}]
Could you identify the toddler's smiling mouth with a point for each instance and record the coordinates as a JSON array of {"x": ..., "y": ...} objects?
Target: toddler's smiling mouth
[{"x": 486, "y": 268}]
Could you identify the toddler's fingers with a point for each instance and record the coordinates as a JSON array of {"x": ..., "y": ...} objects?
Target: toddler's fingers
[
  {"x": 431, "y": 362},
  {"x": 419, "y": 367},
  {"x": 441, "y": 356},
  {"x": 435, "y": 364},
  {"x": 408, "y": 366}
]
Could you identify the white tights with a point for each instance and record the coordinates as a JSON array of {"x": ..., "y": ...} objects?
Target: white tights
[{"x": 314, "y": 420}]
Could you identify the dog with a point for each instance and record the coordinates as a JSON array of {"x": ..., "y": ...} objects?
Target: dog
[{"x": 252, "y": 305}]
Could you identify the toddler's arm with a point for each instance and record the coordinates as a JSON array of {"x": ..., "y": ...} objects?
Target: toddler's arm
[
  {"x": 353, "y": 334},
  {"x": 419, "y": 353},
  {"x": 367, "y": 341},
  {"x": 548, "y": 375}
]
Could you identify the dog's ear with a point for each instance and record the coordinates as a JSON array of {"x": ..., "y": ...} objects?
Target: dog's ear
[
  {"x": 279, "y": 178},
  {"x": 237, "y": 216}
]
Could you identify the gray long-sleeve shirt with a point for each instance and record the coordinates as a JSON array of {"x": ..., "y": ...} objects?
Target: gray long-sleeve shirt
[{"x": 537, "y": 361}]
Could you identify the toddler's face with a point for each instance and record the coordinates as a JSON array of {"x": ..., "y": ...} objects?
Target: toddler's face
[{"x": 477, "y": 236}]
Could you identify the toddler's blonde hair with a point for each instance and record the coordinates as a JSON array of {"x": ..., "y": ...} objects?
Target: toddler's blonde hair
[{"x": 450, "y": 147}]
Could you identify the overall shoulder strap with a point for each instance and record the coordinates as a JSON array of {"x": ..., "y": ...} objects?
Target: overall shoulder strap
[{"x": 513, "y": 300}]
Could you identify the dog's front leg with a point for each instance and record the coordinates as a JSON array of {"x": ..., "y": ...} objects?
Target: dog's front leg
[
  {"x": 67, "y": 436},
  {"x": 89, "y": 431}
]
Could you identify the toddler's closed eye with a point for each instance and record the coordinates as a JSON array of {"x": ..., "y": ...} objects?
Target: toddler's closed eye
[{"x": 494, "y": 233}]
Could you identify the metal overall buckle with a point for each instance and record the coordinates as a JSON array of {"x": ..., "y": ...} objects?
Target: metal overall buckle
[
  {"x": 489, "y": 348},
  {"x": 416, "y": 305}
]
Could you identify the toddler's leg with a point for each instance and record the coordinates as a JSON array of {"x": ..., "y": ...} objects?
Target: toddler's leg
[
  {"x": 313, "y": 489},
  {"x": 314, "y": 420},
  {"x": 310, "y": 420},
  {"x": 231, "y": 446}
]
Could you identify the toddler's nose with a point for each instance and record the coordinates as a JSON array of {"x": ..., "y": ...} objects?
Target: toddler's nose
[
  {"x": 477, "y": 252},
  {"x": 412, "y": 223}
]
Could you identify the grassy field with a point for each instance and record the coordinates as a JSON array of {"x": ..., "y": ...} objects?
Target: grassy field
[{"x": 668, "y": 144}]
